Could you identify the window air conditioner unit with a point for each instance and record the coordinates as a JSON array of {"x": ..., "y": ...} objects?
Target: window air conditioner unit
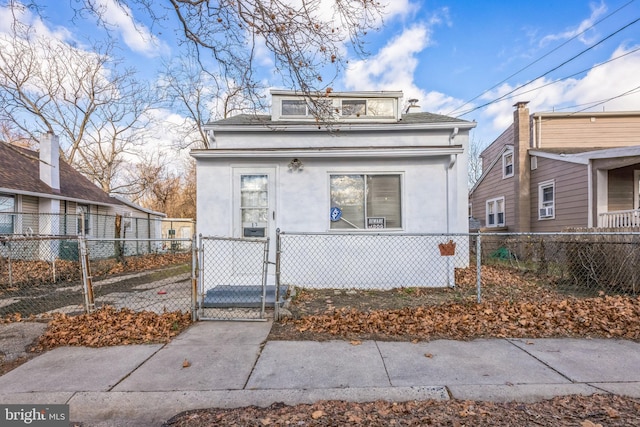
[{"x": 546, "y": 212}]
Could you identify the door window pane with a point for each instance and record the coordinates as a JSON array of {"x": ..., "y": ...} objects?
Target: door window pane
[{"x": 254, "y": 200}]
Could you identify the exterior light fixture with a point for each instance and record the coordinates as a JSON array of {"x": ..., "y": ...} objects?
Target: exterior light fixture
[{"x": 296, "y": 165}]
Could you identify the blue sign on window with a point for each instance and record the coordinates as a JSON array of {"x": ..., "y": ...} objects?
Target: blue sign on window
[{"x": 336, "y": 214}]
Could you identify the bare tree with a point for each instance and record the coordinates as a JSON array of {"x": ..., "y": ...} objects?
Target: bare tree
[
  {"x": 86, "y": 98},
  {"x": 306, "y": 40},
  {"x": 199, "y": 96},
  {"x": 475, "y": 161},
  {"x": 166, "y": 190}
]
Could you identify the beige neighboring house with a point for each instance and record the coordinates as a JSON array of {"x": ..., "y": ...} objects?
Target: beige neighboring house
[{"x": 551, "y": 171}]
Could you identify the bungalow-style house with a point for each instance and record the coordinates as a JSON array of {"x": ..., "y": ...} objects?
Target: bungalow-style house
[
  {"x": 41, "y": 195},
  {"x": 369, "y": 168},
  {"x": 551, "y": 171}
]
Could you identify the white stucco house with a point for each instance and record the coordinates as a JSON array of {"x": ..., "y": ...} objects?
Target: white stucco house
[{"x": 370, "y": 168}]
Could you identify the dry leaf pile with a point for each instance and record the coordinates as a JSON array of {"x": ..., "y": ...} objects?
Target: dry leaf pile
[
  {"x": 108, "y": 327},
  {"x": 146, "y": 262},
  {"x": 582, "y": 411},
  {"x": 38, "y": 272},
  {"x": 607, "y": 316}
]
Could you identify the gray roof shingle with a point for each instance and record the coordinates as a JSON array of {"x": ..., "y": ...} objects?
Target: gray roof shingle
[
  {"x": 20, "y": 171},
  {"x": 265, "y": 120}
]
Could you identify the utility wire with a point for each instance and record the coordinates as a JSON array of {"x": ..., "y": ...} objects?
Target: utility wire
[
  {"x": 629, "y": 92},
  {"x": 551, "y": 70},
  {"x": 575, "y": 74},
  {"x": 542, "y": 57}
]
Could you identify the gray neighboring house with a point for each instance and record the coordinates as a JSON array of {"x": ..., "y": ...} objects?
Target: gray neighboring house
[
  {"x": 551, "y": 171},
  {"x": 43, "y": 195}
]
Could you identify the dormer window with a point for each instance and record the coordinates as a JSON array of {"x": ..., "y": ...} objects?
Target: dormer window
[
  {"x": 378, "y": 107},
  {"x": 294, "y": 107},
  {"x": 354, "y": 107}
]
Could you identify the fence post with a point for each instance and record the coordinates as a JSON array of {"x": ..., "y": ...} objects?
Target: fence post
[
  {"x": 194, "y": 278},
  {"x": 479, "y": 268},
  {"x": 276, "y": 305},
  {"x": 86, "y": 275}
]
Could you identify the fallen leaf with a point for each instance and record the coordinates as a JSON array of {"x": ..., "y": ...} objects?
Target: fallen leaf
[
  {"x": 356, "y": 342},
  {"x": 429, "y": 355},
  {"x": 318, "y": 414},
  {"x": 186, "y": 363}
]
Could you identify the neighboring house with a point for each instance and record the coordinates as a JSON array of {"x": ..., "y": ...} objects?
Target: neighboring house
[
  {"x": 371, "y": 169},
  {"x": 551, "y": 171},
  {"x": 42, "y": 195}
]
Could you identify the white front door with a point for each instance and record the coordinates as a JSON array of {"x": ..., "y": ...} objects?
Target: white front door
[{"x": 254, "y": 205}]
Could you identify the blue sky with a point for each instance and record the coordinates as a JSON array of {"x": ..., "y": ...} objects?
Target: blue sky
[{"x": 454, "y": 56}]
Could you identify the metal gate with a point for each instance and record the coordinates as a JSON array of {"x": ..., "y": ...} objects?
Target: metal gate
[{"x": 232, "y": 278}]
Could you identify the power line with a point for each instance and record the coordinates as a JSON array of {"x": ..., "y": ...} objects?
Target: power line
[
  {"x": 575, "y": 74},
  {"x": 551, "y": 70},
  {"x": 543, "y": 56},
  {"x": 629, "y": 92}
]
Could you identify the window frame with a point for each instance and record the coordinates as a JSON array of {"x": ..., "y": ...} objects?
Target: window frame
[
  {"x": 353, "y": 102},
  {"x": 294, "y": 101},
  {"x": 87, "y": 219},
  {"x": 11, "y": 223},
  {"x": 505, "y": 164},
  {"x": 548, "y": 204},
  {"x": 364, "y": 176},
  {"x": 495, "y": 202}
]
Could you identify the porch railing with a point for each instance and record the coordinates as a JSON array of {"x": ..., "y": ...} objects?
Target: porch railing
[{"x": 619, "y": 219}]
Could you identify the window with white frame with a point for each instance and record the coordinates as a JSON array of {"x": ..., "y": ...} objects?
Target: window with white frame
[
  {"x": 7, "y": 217},
  {"x": 294, "y": 107},
  {"x": 354, "y": 107},
  {"x": 83, "y": 213},
  {"x": 507, "y": 164},
  {"x": 495, "y": 212},
  {"x": 546, "y": 200},
  {"x": 366, "y": 201}
]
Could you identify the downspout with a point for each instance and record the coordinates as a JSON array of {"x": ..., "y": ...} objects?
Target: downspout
[
  {"x": 452, "y": 162},
  {"x": 538, "y": 142},
  {"x": 590, "y": 193}
]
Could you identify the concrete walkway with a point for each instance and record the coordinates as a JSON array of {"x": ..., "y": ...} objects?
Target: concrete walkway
[{"x": 230, "y": 364}]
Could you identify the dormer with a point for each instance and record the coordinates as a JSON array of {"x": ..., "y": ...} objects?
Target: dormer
[{"x": 352, "y": 107}]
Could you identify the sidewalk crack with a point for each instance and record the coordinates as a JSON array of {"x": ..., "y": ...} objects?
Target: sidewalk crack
[
  {"x": 386, "y": 371},
  {"x": 136, "y": 368},
  {"x": 510, "y": 341}
]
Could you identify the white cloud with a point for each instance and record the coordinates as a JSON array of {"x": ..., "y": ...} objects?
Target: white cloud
[
  {"x": 135, "y": 35},
  {"x": 23, "y": 16},
  {"x": 596, "y": 12},
  {"x": 394, "y": 68},
  {"x": 599, "y": 89},
  {"x": 395, "y": 63}
]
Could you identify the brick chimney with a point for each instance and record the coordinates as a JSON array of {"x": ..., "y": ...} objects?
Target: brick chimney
[
  {"x": 522, "y": 173},
  {"x": 50, "y": 161}
]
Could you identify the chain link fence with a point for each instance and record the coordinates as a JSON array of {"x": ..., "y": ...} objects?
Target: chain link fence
[
  {"x": 40, "y": 276},
  {"x": 99, "y": 226},
  {"x": 226, "y": 278},
  {"x": 233, "y": 279},
  {"x": 140, "y": 274},
  {"x": 578, "y": 264},
  {"x": 463, "y": 267}
]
